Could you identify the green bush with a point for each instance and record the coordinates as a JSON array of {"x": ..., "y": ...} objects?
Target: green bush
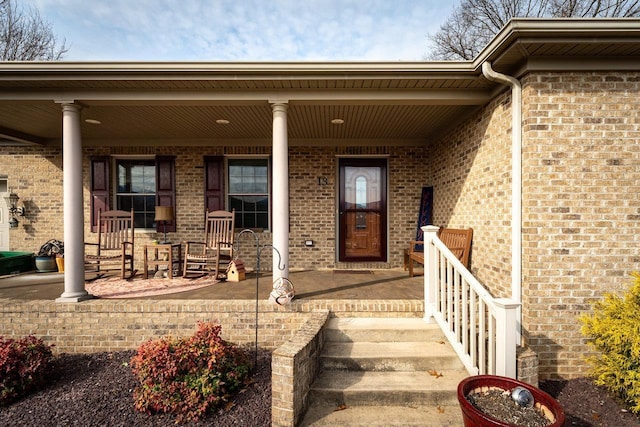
[
  {"x": 188, "y": 377},
  {"x": 25, "y": 365},
  {"x": 613, "y": 330}
]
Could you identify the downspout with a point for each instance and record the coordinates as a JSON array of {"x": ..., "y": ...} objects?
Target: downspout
[{"x": 516, "y": 185}]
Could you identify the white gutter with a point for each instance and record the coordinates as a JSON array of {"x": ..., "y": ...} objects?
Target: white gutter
[{"x": 516, "y": 184}]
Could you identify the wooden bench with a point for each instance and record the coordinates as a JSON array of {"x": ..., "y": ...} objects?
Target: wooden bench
[{"x": 457, "y": 240}]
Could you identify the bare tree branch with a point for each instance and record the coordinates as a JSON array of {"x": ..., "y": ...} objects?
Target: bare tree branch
[{"x": 25, "y": 36}]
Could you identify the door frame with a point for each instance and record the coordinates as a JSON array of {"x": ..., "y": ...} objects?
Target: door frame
[{"x": 383, "y": 163}]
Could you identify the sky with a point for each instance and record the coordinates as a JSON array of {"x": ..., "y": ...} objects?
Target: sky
[{"x": 244, "y": 30}]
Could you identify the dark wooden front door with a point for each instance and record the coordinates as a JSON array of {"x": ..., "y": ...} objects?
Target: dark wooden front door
[{"x": 363, "y": 210}]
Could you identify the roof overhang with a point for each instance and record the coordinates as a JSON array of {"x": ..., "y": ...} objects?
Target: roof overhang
[{"x": 155, "y": 103}]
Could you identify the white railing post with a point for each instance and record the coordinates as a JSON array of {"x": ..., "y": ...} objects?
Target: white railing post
[
  {"x": 430, "y": 232},
  {"x": 506, "y": 336}
]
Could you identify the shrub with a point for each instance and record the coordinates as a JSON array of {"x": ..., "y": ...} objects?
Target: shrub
[
  {"x": 25, "y": 366},
  {"x": 613, "y": 330},
  {"x": 188, "y": 377}
]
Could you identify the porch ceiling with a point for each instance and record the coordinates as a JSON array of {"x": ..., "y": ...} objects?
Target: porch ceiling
[
  {"x": 161, "y": 107},
  {"x": 41, "y": 122}
]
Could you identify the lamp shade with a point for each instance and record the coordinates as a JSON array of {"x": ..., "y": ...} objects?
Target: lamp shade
[
  {"x": 164, "y": 213},
  {"x": 12, "y": 200}
]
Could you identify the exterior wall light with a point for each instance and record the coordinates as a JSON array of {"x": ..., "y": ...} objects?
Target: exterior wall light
[{"x": 14, "y": 210}]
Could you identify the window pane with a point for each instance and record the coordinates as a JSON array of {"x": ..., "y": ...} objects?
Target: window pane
[
  {"x": 124, "y": 203},
  {"x": 248, "y": 220},
  {"x": 260, "y": 185},
  {"x": 262, "y": 204},
  {"x": 235, "y": 203},
  {"x": 138, "y": 203},
  {"x": 262, "y": 220},
  {"x": 235, "y": 184}
]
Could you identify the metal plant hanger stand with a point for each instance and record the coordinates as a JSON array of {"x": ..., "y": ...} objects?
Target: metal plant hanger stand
[{"x": 259, "y": 250}]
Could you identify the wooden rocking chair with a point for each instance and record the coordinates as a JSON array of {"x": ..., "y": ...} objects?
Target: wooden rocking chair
[
  {"x": 205, "y": 257},
  {"x": 114, "y": 249},
  {"x": 457, "y": 240}
]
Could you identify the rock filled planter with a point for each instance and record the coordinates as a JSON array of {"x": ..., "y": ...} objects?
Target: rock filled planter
[{"x": 477, "y": 395}]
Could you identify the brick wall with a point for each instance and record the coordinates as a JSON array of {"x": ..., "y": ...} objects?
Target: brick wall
[
  {"x": 294, "y": 366},
  {"x": 581, "y": 222},
  {"x": 101, "y": 325},
  {"x": 36, "y": 175},
  {"x": 471, "y": 169},
  {"x": 581, "y": 211},
  {"x": 113, "y": 325}
]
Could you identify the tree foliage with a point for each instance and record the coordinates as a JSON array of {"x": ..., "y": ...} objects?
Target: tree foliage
[
  {"x": 26, "y": 36},
  {"x": 474, "y": 23}
]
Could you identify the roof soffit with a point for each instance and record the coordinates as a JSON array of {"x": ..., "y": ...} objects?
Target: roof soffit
[{"x": 561, "y": 44}]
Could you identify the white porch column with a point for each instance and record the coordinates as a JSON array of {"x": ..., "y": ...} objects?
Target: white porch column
[
  {"x": 74, "y": 290},
  {"x": 280, "y": 211}
]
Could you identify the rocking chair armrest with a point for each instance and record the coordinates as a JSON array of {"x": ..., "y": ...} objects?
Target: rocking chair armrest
[
  {"x": 200, "y": 245},
  {"x": 193, "y": 242}
]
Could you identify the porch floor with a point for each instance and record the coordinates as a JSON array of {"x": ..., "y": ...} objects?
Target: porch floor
[{"x": 309, "y": 285}]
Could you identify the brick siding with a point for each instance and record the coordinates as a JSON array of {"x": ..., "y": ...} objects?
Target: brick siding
[
  {"x": 581, "y": 211},
  {"x": 581, "y": 222},
  {"x": 312, "y": 180}
]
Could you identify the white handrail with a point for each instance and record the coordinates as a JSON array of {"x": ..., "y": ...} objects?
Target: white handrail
[{"x": 481, "y": 328}]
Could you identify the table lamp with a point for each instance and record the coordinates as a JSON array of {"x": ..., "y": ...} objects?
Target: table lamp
[{"x": 164, "y": 214}]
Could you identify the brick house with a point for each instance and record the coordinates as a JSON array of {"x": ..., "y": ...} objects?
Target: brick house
[{"x": 552, "y": 196}]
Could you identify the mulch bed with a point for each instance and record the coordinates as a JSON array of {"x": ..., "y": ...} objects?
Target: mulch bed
[
  {"x": 96, "y": 389},
  {"x": 587, "y": 405}
]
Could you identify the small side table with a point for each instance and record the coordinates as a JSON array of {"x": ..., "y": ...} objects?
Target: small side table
[{"x": 162, "y": 255}]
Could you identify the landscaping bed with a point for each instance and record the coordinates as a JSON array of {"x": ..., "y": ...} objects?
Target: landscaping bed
[{"x": 96, "y": 389}]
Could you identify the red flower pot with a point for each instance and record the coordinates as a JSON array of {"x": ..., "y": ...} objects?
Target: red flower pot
[{"x": 475, "y": 418}]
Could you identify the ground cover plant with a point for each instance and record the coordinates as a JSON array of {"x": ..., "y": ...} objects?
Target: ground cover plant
[
  {"x": 613, "y": 330},
  {"x": 25, "y": 366},
  {"x": 188, "y": 377}
]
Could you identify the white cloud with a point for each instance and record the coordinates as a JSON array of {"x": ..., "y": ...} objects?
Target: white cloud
[{"x": 244, "y": 30}]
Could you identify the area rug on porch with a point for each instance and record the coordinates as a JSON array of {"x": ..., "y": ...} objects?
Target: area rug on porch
[{"x": 115, "y": 287}]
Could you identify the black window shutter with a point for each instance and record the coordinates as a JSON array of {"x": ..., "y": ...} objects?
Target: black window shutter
[
  {"x": 214, "y": 183},
  {"x": 99, "y": 188},
  {"x": 166, "y": 187}
]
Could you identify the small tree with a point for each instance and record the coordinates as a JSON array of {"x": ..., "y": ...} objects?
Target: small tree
[
  {"x": 613, "y": 330},
  {"x": 474, "y": 23},
  {"x": 25, "y": 36}
]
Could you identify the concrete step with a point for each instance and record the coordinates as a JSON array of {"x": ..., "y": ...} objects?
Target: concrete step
[
  {"x": 382, "y": 330},
  {"x": 385, "y": 372},
  {"x": 363, "y": 388},
  {"x": 387, "y": 416},
  {"x": 389, "y": 356}
]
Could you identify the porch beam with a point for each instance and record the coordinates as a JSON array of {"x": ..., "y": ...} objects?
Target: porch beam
[
  {"x": 461, "y": 96},
  {"x": 280, "y": 210},
  {"x": 17, "y": 136},
  {"x": 74, "y": 290}
]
